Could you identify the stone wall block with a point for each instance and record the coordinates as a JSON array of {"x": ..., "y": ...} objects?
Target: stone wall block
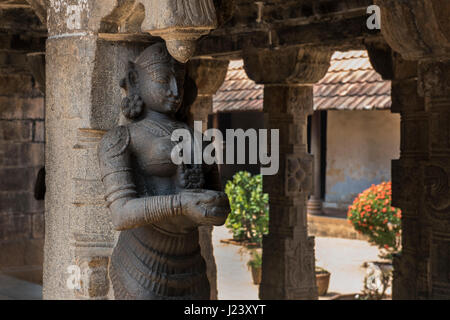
[
  {"x": 20, "y": 108},
  {"x": 21, "y": 201},
  {"x": 39, "y": 131},
  {"x": 17, "y": 179},
  {"x": 11, "y": 84},
  {"x": 9, "y": 108},
  {"x": 21, "y": 155},
  {"x": 38, "y": 225},
  {"x": 16, "y": 130},
  {"x": 14, "y": 226},
  {"x": 33, "y": 108}
]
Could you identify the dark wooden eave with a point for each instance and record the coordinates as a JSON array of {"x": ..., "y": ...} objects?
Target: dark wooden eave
[{"x": 340, "y": 24}]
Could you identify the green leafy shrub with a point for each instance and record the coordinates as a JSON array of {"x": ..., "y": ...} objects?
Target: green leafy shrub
[
  {"x": 372, "y": 215},
  {"x": 249, "y": 217}
]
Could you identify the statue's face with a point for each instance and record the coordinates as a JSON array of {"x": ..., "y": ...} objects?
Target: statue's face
[{"x": 162, "y": 86}]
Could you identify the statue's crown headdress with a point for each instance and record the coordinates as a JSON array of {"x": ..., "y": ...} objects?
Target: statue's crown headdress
[{"x": 153, "y": 55}]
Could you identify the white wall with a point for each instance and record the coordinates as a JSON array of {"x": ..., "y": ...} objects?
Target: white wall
[{"x": 360, "y": 147}]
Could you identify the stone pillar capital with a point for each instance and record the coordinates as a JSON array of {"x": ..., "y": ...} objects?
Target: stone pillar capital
[
  {"x": 208, "y": 74},
  {"x": 287, "y": 66},
  {"x": 40, "y": 9},
  {"x": 76, "y": 18},
  {"x": 417, "y": 29}
]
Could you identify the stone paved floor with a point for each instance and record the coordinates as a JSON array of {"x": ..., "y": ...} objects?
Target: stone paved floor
[
  {"x": 342, "y": 257},
  {"x": 15, "y": 289},
  {"x": 234, "y": 280}
]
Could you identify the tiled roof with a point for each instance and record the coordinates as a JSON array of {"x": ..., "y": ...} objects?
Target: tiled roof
[
  {"x": 238, "y": 92},
  {"x": 350, "y": 84}
]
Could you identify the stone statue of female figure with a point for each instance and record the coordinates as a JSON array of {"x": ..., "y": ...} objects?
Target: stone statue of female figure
[{"x": 157, "y": 205}]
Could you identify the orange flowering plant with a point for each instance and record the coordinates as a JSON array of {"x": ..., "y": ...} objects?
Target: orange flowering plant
[{"x": 372, "y": 215}]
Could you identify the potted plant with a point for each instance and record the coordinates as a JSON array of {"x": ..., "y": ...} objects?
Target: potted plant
[
  {"x": 249, "y": 217},
  {"x": 323, "y": 280},
  {"x": 373, "y": 215},
  {"x": 255, "y": 264}
]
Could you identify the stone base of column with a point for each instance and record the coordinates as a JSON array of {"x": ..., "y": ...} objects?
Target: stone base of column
[
  {"x": 314, "y": 206},
  {"x": 207, "y": 250}
]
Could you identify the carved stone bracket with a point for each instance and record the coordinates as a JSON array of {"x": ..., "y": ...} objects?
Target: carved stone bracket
[
  {"x": 290, "y": 66},
  {"x": 180, "y": 23},
  {"x": 208, "y": 74},
  {"x": 40, "y": 9},
  {"x": 416, "y": 28}
]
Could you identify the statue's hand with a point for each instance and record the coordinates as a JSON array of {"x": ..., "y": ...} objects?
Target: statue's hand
[{"x": 205, "y": 207}]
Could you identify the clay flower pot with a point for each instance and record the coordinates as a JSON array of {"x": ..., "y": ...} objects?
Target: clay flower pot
[
  {"x": 323, "y": 281},
  {"x": 256, "y": 275}
]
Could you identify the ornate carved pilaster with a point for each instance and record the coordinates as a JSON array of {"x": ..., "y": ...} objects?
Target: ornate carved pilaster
[
  {"x": 420, "y": 30},
  {"x": 82, "y": 102},
  {"x": 208, "y": 75},
  {"x": 288, "y": 251},
  {"x": 435, "y": 86},
  {"x": 410, "y": 272}
]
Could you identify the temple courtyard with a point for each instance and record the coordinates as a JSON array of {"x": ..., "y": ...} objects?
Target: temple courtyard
[{"x": 344, "y": 258}]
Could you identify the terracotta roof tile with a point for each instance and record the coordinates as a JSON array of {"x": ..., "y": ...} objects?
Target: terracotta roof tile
[{"x": 350, "y": 84}]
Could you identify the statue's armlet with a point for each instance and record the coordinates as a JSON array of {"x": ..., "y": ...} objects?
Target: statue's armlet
[
  {"x": 127, "y": 208},
  {"x": 115, "y": 166}
]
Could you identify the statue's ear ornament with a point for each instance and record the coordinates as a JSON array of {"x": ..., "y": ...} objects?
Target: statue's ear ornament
[{"x": 132, "y": 105}]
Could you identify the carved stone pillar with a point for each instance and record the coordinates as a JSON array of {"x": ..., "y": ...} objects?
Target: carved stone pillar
[
  {"x": 208, "y": 75},
  {"x": 420, "y": 30},
  {"x": 435, "y": 86},
  {"x": 315, "y": 201},
  {"x": 411, "y": 272},
  {"x": 288, "y": 251},
  {"x": 82, "y": 102},
  {"x": 410, "y": 267}
]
